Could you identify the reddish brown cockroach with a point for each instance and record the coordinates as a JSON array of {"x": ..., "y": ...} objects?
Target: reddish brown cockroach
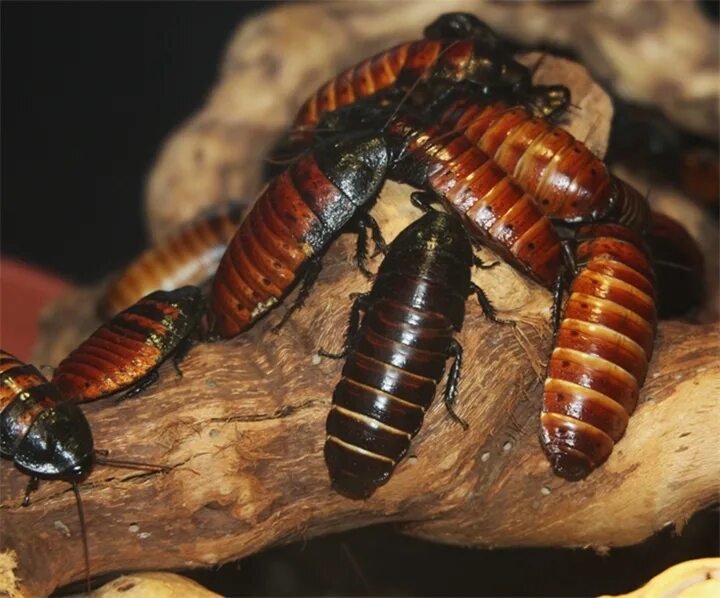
[
  {"x": 601, "y": 352},
  {"x": 291, "y": 223},
  {"x": 495, "y": 208},
  {"x": 125, "y": 353},
  {"x": 567, "y": 181},
  {"x": 189, "y": 257}
]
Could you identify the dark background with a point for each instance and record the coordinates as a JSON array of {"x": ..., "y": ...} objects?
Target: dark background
[{"x": 89, "y": 92}]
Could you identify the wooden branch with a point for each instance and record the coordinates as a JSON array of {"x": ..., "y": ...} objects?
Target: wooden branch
[{"x": 243, "y": 432}]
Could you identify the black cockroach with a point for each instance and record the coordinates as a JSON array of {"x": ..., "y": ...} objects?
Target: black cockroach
[
  {"x": 397, "y": 357},
  {"x": 188, "y": 257},
  {"x": 601, "y": 351},
  {"x": 46, "y": 436},
  {"x": 125, "y": 353},
  {"x": 291, "y": 223}
]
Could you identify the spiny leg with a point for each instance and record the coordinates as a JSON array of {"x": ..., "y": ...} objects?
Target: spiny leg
[
  {"x": 487, "y": 307},
  {"x": 358, "y": 305},
  {"x": 140, "y": 385},
  {"x": 311, "y": 273},
  {"x": 451, "y": 387},
  {"x": 180, "y": 352},
  {"x": 482, "y": 265},
  {"x": 361, "y": 250},
  {"x": 29, "y": 489},
  {"x": 380, "y": 245},
  {"x": 424, "y": 200}
]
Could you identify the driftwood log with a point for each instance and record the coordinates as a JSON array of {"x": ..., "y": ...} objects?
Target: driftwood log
[{"x": 242, "y": 433}]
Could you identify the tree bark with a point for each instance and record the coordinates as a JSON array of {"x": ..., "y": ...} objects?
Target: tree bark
[{"x": 243, "y": 432}]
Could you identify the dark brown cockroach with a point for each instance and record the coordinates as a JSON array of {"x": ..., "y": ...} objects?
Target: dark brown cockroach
[
  {"x": 291, "y": 223},
  {"x": 601, "y": 351},
  {"x": 125, "y": 353},
  {"x": 568, "y": 182},
  {"x": 47, "y": 436},
  {"x": 397, "y": 357},
  {"x": 679, "y": 267},
  {"x": 495, "y": 208},
  {"x": 458, "y": 49},
  {"x": 189, "y": 257}
]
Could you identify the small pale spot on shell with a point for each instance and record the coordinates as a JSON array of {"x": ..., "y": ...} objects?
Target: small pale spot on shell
[
  {"x": 485, "y": 457},
  {"x": 315, "y": 360},
  {"x": 507, "y": 446},
  {"x": 144, "y": 535},
  {"x": 545, "y": 490},
  {"x": 133, "y": 528},
  {"x": 412, "y": 460}
]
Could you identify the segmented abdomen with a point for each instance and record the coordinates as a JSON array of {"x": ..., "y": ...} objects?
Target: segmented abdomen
[
  {"x": 387, "y": 384},
  {"x": 494, "y": 205},
  {"x": 602, "y": 350},
  {"x": 24, "y": 395},
  {"x": 188, "y": 258},
  {"x": 289, "y": 223},
  {"x": 567, "y": 181},
  {"x": 130, "y": 345}
]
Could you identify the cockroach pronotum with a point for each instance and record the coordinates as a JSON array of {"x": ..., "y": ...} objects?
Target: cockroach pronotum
[
  {"x": 568, "y": 182},
  {"x": 601, "y": 352},
  {"x": 397, "y": 357},
  {"x": 292, "y": 222},
  {"x": 446, "y": 164},
  {"x": 189, "y": 257},
  {"x": 125, "y": 353},
  {"x": 679, "y": 267},
  {"x": 478, "y": 61},
  {"x": 47, "y": 436}
]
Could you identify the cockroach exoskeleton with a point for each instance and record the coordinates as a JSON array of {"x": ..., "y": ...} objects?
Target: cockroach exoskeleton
[
  {"x": 189, "y": 257},
  {"x": 496, "y": 210},
  {"x": 478, "y": 61},
  {"x": 292, "y": 222},
  {"x": 46, "y": 436},
  {"x": 396, "y": 356},
  {"x": 602, "y": 348},
  {"x": 124, "y": 353},
  {"x": 569, "y": 183}
]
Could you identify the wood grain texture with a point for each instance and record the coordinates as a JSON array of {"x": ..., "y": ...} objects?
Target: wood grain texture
[{"x": 243, "y": 432}]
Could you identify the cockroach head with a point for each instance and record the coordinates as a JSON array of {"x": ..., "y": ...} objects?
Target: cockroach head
[{"x": 462, "y": 25}]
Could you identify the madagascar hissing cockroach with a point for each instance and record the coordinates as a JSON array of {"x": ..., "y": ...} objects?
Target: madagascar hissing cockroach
[
  {"x": 495, "y": 208},
  {"x": 568, "y": 182},
  {"x": 188, "y": 257},
  {"x": 397, "y": 357},
  {"x": 601, "y": 352},
  {"x": 125, "y": 352},
  {"x": 679, "y": 267},
  {"x": 478, "y": 61},
  {"x": 291, "y": 223},
  {"x": 47, "y": 436}
]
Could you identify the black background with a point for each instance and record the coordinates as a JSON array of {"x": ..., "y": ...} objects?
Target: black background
[{"x": 89, "y": 92}]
